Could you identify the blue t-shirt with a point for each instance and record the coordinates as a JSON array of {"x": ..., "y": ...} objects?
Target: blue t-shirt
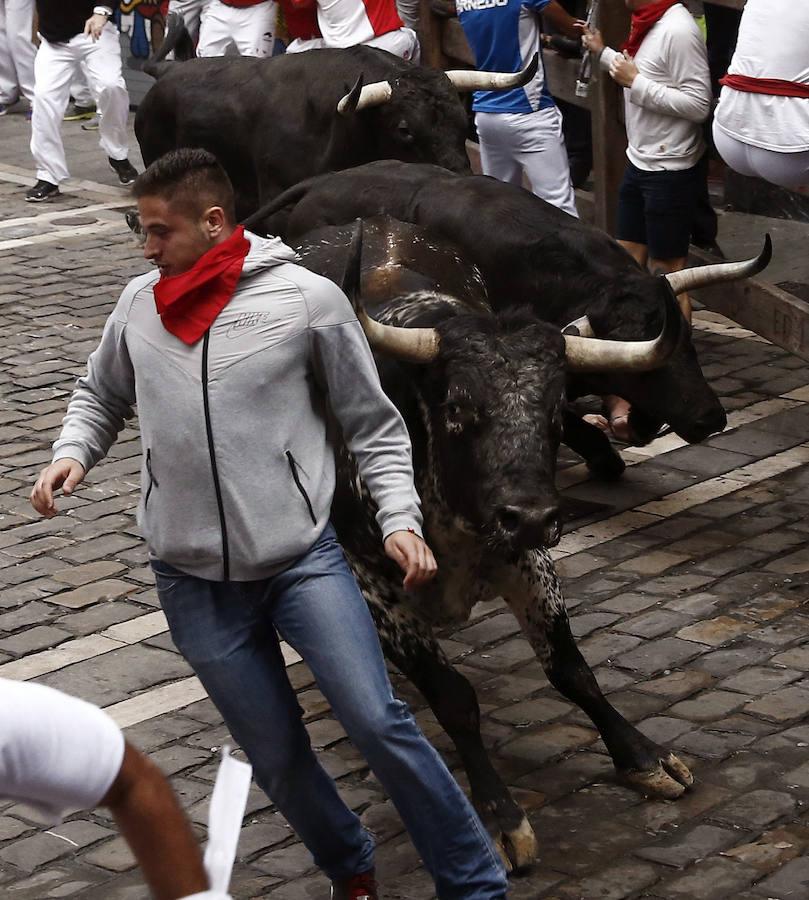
[{"x": 504, "y": 36}]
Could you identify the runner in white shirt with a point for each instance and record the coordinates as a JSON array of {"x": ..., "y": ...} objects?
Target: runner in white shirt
[
  {"x": 758, "y": 132},
  {"x": 248, "y": 25},
  {"x": 344, "y": 23},
  {"x": 58, "y": 753}
]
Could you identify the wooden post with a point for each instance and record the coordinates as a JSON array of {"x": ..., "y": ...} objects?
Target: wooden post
[
  {"x": 430, "y": 28},
  {"x": 609, "y": 137}
]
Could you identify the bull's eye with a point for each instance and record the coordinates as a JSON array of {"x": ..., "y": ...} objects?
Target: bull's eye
[
  {"x": 458, "y": 417},
  {"x": 403, "y": 131}
]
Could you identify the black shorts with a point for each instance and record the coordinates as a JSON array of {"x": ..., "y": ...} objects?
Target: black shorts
[{"x": 657, "y": 209}]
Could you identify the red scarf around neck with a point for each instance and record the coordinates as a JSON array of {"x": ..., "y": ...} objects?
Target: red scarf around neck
[
  {"x": 642, "y": 21},
  {"x": 189, "y": 302}
]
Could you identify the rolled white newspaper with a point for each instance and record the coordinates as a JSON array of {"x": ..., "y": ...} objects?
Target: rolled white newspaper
[{"x": 225, "y": 815}]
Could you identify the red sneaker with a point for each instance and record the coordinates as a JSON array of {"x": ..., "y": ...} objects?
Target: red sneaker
[{"x": 357, "y": 887}]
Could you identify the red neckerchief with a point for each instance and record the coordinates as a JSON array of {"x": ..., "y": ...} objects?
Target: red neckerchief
[
  {"x": 642, "y": 21},
  {"x": 776, "y": 87},
  {"x": 189, "y": 302}
]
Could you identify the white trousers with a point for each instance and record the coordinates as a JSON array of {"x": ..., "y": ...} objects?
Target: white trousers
[
  {"x": 55, "y": 68},
  {"x": 191, "y": 11},
  {"x": 251, "y": 29},
  {"x": 403, "y": 43},
  {"x": 17, "y": 50},
  {"x": 513, "y": 143},
  {"x": 789, "y": 170}
]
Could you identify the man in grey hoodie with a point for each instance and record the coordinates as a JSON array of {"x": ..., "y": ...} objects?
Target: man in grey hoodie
[{"x": 233, "y": 355}]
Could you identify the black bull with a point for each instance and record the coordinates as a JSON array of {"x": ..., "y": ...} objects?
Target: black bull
[
  {"x": 529, "y": 252},
  {"x": 482, "y": 396},
  {"x": 274, "y": 122}
]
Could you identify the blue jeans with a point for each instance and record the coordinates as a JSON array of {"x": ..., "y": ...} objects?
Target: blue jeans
[{"x": 227, "y": 632}]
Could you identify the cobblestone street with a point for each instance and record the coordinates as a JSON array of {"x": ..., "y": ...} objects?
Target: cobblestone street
[{"x": 686, "y": 583}]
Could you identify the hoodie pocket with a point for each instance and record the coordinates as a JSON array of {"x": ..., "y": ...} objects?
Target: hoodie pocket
[
  {"x": 153, "y": 482},
  {"x": 293, "y": 468}
]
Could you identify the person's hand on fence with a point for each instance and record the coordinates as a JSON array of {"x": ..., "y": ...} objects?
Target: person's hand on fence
[
  {"x": 591, "y": 39},
  {"x": 623, "y": 70}
]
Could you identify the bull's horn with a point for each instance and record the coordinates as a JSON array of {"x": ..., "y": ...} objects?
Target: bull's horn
[
  {"x": 471, "y": 80},
  {"x": 369, "y": 95},
  {"x": 597, "y": 355},
  {"x": 702, "y": 276},
  {"x": 580, "y": 328},
  {"x": 415, "y": 345}
]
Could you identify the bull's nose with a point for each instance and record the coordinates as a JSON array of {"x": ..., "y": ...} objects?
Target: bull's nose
[{"x": 531, "y": 526}]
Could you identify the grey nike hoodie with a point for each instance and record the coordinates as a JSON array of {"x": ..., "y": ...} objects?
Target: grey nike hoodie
[{"x": 238, "y": 471}]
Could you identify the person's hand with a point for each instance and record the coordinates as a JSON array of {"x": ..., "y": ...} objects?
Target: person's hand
[
  {"x": 95, "y": 25},
  {"x": 413, "y": 556},
  {"x": 66, "y": 474},
  {"x": 623, "y": 70},
  {"x": 592, "y": 40}
]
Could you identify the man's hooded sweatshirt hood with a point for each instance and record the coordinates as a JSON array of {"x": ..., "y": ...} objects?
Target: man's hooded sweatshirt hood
[{"x": 238, "y": 469}]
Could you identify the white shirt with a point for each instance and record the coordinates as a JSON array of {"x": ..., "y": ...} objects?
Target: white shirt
[
  {"x": 773, "y": 43},
  {"x": 56, "y": 752},
  {"x": 670, "y": 97}
]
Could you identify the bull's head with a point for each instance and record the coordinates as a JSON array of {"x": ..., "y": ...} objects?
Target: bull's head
[
  {"x": 492, "y": 391},
  {"x": 676, "y": 393},
  {"x": 416, "y": 117}
]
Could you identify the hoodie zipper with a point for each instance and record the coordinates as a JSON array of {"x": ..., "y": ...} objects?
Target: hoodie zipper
[
  {"x": 293, "y": 467},
  {"x": 153, "y": 482},
  {"x": 212, "y": 453}
]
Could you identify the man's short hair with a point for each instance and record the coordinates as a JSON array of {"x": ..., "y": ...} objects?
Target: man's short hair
[{"x": 189, "y": 178}]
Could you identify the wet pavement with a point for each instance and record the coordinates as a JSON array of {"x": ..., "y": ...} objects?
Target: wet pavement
[{"x": 687, "y": 586}]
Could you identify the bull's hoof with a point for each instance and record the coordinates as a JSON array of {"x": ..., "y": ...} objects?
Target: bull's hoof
[
  {"x": 667, "y": 780},
  {"x": 518, "y": 848},
  {"x": 607, "y": 466}
]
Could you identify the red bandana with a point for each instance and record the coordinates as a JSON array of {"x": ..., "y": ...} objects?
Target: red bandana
[
  {"x": 642, "y": 21},
  {"x": 189, "y": 302}
]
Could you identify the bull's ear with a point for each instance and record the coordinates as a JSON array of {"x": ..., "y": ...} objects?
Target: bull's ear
[
  {"x": 353, "y": 268},
  {"x": 348, "y": 105}
]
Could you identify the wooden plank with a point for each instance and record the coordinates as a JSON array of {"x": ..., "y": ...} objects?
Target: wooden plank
[
  {"x": 609, "y": 136},
  {"x": 454, "y": 43},
  {"x": 561, "y": 74},
  {"x": 776, "y": 315},
  {"x": 430, "y": 37}
]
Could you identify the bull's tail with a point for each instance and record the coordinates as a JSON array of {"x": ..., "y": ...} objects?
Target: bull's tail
[
  {"x": 177, "y": 39},
  {"x": 268, "y": 219}
]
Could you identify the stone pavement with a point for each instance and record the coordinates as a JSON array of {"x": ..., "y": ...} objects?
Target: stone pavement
[{"x": 687, "y": 587}]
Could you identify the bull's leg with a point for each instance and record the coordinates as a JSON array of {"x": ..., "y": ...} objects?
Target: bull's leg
[
  {"x": 602, "y": 459},
  {"x": 533, "y": 592},
  {"x": 409, "y": 643}
]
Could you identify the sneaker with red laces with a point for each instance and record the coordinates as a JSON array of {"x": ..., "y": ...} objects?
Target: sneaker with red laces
[{"x": 357, "y": 887}]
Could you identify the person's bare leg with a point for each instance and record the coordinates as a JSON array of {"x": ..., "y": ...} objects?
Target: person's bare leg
[
  {"x": 638, "y": 252},
  {"x": 157, "y": 830},
  {"x": 666, "y": 266}
]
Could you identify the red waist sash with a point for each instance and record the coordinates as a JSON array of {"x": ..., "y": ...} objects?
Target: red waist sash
[{"x": 774, "y": 86}]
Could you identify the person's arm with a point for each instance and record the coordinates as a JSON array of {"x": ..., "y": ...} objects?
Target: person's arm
[
  {"x": 561, "y": 19},
  {"x": 98, "y": 409},
  {"x": 157, "y": 830},
  {"x": 372, "y": 427},
  {"x": 687, "y": 94}
]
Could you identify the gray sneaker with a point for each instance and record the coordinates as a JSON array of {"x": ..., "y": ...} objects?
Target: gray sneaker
[
  {"x": 76, "y": 113},
  {"x": 91, "y": 124}
]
